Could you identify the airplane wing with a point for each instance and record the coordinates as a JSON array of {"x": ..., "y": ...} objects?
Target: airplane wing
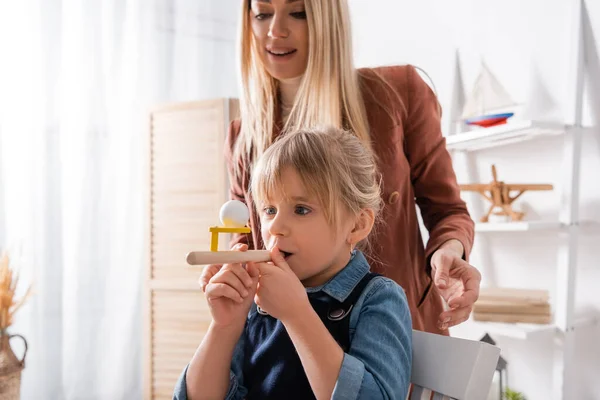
[
  {"x": 524, "y": 186},
  {"x": 476, "y": 187}
]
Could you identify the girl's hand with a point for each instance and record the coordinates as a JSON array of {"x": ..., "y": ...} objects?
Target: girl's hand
[
  {"x": 207, "y": 273},
  {"x": 280, "y": 293},
  {"x": 211, "y": 270},
  {"x": 230, "y": 291}
]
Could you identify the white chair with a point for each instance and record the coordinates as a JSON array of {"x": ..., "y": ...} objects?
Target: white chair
[{"x": 451, "y": 368}]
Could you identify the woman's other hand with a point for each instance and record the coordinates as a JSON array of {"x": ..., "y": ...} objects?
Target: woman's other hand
[{"x": 457, "y": 281}]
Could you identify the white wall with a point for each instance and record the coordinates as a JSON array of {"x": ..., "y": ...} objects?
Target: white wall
[
  {"x": 526, "y": 44},
  {"x": 192, "y": 49}
]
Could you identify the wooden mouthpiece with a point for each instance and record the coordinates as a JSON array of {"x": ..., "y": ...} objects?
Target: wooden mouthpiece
[{"x": 227, "y": 257}]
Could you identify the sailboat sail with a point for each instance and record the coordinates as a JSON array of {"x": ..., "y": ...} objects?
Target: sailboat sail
[{"x": 488, "y": 96}]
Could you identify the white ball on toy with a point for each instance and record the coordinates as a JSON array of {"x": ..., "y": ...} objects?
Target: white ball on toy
[{"x": 234, "y": 214}]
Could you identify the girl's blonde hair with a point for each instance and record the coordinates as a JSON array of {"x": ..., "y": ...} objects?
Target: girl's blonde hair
[
  {"x": 329, "y": 92},
  {"x": 333, "y": 165}
]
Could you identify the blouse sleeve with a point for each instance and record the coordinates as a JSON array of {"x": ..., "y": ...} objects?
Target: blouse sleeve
[{"x": 437, "y": 193}]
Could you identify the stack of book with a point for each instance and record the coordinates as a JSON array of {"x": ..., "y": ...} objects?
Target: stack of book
[{"x": 512, "y": 305}]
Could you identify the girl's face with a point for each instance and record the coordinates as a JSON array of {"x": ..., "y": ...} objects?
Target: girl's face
[
  {"x": 297, "y": 224},
  {"x": 280, "y": 31}
]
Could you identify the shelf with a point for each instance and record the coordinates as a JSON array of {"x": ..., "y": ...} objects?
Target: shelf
[
  {"x": 512, "y": 132},
  {"x": 517, "y": 331},
  {"x": 474, "y": 330},
  {"x": 521, "y": 226}
]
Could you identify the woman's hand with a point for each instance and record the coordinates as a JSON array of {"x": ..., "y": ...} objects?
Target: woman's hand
[
  {"x": 280, "y": 293},
  {"x": 457, "y": 281},
  {"x": 229, "y": 292}
]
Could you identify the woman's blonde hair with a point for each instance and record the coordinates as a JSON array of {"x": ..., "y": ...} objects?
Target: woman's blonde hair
[
  {"x": 329, "y": 92},
  {"x": 332, "y": 164}
]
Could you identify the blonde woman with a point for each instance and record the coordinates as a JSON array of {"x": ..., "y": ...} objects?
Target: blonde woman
[
  {"x": 297, "y": 72},
  {"x": 321, "y": 325}
]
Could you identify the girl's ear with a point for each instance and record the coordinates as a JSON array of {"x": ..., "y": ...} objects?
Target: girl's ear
[{"x": 362, "y": 226}]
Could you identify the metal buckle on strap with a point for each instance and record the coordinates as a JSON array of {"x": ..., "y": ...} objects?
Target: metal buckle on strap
[{"x": 338, "y": 314}]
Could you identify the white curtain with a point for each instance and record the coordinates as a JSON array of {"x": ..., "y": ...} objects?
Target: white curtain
[{"x": 77, "y": 78}]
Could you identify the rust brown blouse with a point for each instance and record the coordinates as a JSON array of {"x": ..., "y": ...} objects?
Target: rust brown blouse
[{"x": 404, "y": 120}]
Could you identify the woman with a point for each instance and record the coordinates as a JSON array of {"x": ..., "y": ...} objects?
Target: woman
[{"x": 297, "y": 72}]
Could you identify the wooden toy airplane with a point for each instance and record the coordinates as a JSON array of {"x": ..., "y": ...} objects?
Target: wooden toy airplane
[
  {"x": 234, "y": 216},
  {"x": 498, "y": 193}
]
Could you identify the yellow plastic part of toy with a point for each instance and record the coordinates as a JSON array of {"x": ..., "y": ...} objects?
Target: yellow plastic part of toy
[{"x": 215, "y": 230}]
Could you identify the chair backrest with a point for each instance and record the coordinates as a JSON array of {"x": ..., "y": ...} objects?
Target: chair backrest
[{"x": 451, "y": 368}]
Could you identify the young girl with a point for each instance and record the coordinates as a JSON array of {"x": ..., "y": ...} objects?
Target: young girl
[{"x": 313, "y": 323}]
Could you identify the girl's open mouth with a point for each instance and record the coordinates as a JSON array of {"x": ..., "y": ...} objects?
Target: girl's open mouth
[{"x": 285, "y": 254}]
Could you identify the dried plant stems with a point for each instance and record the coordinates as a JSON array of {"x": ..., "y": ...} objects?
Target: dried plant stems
[{"x": 9, "y": 305}]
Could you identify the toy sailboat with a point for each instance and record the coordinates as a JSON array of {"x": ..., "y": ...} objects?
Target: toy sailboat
[{"x": 489, "y": 103}]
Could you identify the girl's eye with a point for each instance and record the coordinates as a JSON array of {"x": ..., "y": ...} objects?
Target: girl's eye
[
  {"x": 301, "y": 210},
  {"x": 269, "y": 210},
  {"x": 299, "y": 14},
  {"x": 261, "y": 16}
]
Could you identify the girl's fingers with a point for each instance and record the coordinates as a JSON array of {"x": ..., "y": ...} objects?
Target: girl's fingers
[
  {"x": 240, "y": 247},
  {"x": 240, "y": 272},
  {"x": 279, "y": 260},
  {"x": 252, "y": 270},
  {"x": 228, "y": 277},
  {"x": 222, "y": 290},
  {"x": 211, "y": 270},
  {"x": 266, "y": 269},
  {"x": 238, "y": 269},
  {"x": 207, "y": 273}
]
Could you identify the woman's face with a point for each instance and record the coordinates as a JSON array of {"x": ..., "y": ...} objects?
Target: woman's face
[{"x": 280, "y": 31}]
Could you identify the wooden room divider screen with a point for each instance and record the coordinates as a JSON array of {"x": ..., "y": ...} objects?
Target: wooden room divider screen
[{"x": 187, "y": 186}]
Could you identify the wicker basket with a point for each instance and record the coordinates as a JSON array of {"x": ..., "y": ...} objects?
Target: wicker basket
[{"x": 10, "y": 368}]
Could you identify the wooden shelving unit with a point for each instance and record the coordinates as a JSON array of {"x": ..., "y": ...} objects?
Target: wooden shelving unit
[{"x": 568, "y": 226}]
